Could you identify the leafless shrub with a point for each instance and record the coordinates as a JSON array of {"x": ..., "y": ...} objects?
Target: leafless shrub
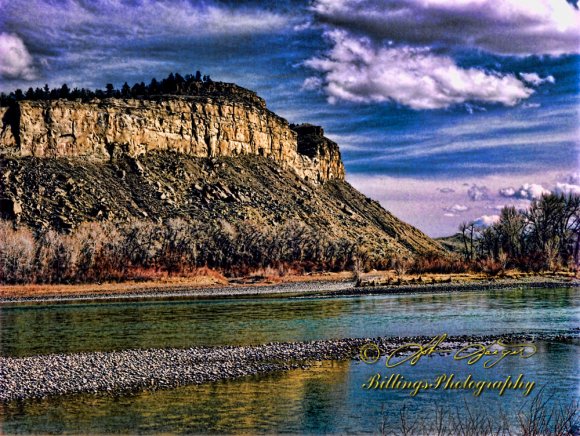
[
  {"x": 502, "y": 260},
  {"x": 401, "y": 265},
  {"x": 56, "y": 257},
  {"x": 435, "y": 263},
  {"x": 16, "y": 254},
  {"x": 489, "y": 266},
  {"x": 143, "y": 249},
  {"x": 538, "y": 417}
]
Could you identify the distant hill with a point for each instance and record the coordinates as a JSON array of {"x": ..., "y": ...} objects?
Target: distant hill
[{"x": 452, "y": 243}]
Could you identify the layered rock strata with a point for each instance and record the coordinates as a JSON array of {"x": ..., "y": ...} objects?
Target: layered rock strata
[{"x": 201, "y": 126}]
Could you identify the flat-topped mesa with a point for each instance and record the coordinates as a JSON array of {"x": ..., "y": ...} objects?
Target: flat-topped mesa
[{"x": 212, "y": 121}]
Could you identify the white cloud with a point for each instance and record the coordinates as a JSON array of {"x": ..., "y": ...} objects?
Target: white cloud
[
  {"x": 303, "y": 26},
  {"x": 15, "y": 60},
  {"x": 507, "y": 192},
  {"x": 231, "y": 21},
  {"x": 486, "y": 220},
  {"x": 567, "y": 189},
  {"x": 531, "y": 191},
  {"x": 312, "y": 83},
  {"x": 457, "y": 208},
  {"x": 536, "y": 80},
  {"x": 360, "y": 70},
  {"x": 503, "y": 27},
  {"x": 528, "y": 191}
]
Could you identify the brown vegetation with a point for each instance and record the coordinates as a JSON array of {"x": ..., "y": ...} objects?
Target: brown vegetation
[
  {"x": 544, "y": 238},
  {"x": 97, "y": 252}
]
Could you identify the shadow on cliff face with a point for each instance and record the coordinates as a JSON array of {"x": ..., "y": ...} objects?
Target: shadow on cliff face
[{"x": 11, "y": 119}]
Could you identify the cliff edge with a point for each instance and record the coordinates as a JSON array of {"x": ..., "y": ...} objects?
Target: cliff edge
[{"x": 222, "y": 121}]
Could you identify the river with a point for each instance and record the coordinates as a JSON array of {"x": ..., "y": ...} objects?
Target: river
[{"x": 325, "y": 398}]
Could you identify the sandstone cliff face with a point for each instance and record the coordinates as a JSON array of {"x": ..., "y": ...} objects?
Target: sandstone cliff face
[
  {"x": 314, "y": 145},
  {"x": 199, "y": 126}
]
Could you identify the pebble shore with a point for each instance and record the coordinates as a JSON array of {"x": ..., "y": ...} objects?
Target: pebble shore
[
  {"x": 295, "y": 289},
  {"x": 128, "y": 371}
]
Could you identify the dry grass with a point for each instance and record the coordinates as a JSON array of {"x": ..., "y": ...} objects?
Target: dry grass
[
  {"x": 204, "y": 277},
  {"x": 390, "y": 277},
  {"x": 208, "y": 278},
  {"x": 201, "y": 278}
]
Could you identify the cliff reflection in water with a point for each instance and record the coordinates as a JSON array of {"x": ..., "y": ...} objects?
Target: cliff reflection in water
[{"x": 299, "y": 399}]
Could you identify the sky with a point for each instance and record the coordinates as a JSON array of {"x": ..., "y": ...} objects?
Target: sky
[{"x": 445, "y": 111}]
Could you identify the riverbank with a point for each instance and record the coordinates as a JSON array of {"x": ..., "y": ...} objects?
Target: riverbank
[
  {"x": 300, "y": 286},
  {"x": 128, "y": 371}
]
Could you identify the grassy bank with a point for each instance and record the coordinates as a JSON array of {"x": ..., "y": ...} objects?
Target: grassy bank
[{"x": 212, "y": 285}]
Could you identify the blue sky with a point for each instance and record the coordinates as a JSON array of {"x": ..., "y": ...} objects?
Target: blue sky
[{"x": 445, "y": 110}]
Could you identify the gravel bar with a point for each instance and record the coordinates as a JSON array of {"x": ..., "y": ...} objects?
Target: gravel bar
[
  {"x": 128, "y": 371},
  {"x": 295, "y": 289}
]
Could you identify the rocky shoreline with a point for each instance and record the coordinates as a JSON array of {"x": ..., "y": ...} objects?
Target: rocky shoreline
[
  {"x": 294, "y": 289},
  {"x": 128, "y": 371},
  {"x": 489, "y": 285}
]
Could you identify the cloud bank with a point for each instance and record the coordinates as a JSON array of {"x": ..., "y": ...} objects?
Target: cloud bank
[
  {"x": 567, "y": 189},
  {"x": 400, "y": 51},
  {"x": 507, "y": 27},
  {"x": 528, "y": 191}
]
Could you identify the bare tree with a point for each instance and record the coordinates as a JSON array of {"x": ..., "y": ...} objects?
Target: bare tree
[
  {"x": 467, "y": 233},
  {"x": 17, "y": 251}
]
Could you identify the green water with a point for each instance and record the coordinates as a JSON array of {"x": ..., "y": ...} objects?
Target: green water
[
  {"x": 327, "y": 398},
  {"x": 33, "y": 329}
]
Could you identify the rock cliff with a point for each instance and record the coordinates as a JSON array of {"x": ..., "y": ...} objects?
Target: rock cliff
[
  {"x": 231, "y": 122},
  {"x": 215, "y": 156}
]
